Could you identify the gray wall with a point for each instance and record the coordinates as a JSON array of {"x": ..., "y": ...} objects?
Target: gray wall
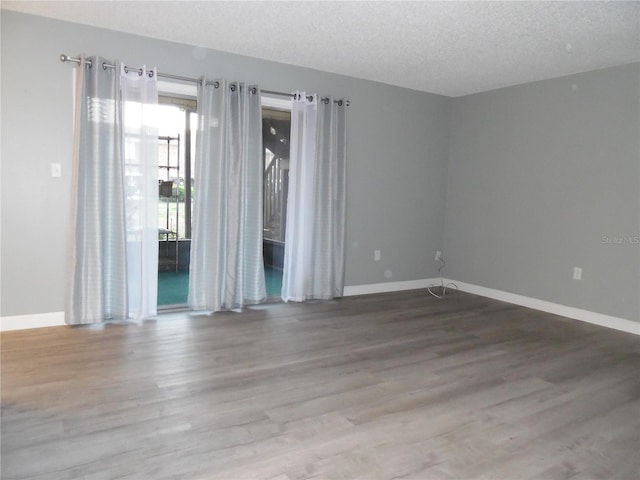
[
  {"x": 538, "y": 175},
  {"x": 397, "y": 154}
]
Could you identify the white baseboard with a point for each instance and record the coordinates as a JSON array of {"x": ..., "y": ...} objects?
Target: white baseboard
[
  {"x": 588, "y": 316},
  {"x": 54, "y": 319},
  {"x": 389, "y": 287},
  {"x": 38, "y": 320}
]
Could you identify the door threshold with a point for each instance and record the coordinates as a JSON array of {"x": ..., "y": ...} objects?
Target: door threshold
[{"x": 178, "y": 307}]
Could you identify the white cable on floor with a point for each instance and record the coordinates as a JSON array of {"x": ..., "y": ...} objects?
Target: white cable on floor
[{"x": 442, "y": 284}]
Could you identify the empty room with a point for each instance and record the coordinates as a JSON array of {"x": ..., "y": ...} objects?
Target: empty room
[{"x": 320, "y": 240}]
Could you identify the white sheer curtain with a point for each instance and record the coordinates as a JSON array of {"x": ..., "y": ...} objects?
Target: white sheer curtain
[
  {"x": 314, "y": 243},
  {"x": 106, "y": 233},
  {"x": 139, "y": 92},
  {"x": 226, "y": 265},
  {"x": 299, "y": 242}
]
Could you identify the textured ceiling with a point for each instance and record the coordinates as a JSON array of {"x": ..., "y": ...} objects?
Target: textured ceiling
[{"x": 449, "y": 48}]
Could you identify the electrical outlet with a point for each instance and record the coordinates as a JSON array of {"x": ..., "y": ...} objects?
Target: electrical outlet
[
  {"x": 577, "y": 273},
  {"x": 376, "y": 255},
  {"x": 438, "y": 257},
  {"x": 56, "y": 170}
]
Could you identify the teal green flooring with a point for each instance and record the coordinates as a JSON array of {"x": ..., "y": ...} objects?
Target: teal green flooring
[
  {"x": 173, "y": 287},
  {"x": 273, "y": 279}
]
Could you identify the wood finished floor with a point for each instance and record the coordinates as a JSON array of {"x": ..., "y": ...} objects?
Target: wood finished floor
[{"x": 391, "y": 386}]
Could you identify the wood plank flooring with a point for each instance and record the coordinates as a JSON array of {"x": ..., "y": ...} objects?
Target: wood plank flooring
[{"x": 390, "y": 386}]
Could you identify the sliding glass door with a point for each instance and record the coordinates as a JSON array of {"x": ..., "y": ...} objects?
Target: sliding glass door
[
  {"x": 175, "y": 189},
  {"x": 178, "y": 124},
  {"x": 276, "y": 128}
]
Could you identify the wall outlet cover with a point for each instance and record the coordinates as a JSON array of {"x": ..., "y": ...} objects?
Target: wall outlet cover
[
  {"x": 56, "y": 170},
  {"x": 577, "y": 273}
]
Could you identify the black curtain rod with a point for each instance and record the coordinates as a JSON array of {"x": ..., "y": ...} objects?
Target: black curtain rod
[{"x": 67, "y": 58}]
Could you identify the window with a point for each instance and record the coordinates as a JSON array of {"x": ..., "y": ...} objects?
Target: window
[{"x": 276, "y": 127}]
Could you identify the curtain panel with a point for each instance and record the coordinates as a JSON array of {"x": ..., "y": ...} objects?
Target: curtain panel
[
  {"x": 97, "y": 259},
  {"x": 139, "y": 96},
  {"x": 113, "y": 195},
  {"x": 315, "y": 234},
  {"x": 226, "y": 264}
]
